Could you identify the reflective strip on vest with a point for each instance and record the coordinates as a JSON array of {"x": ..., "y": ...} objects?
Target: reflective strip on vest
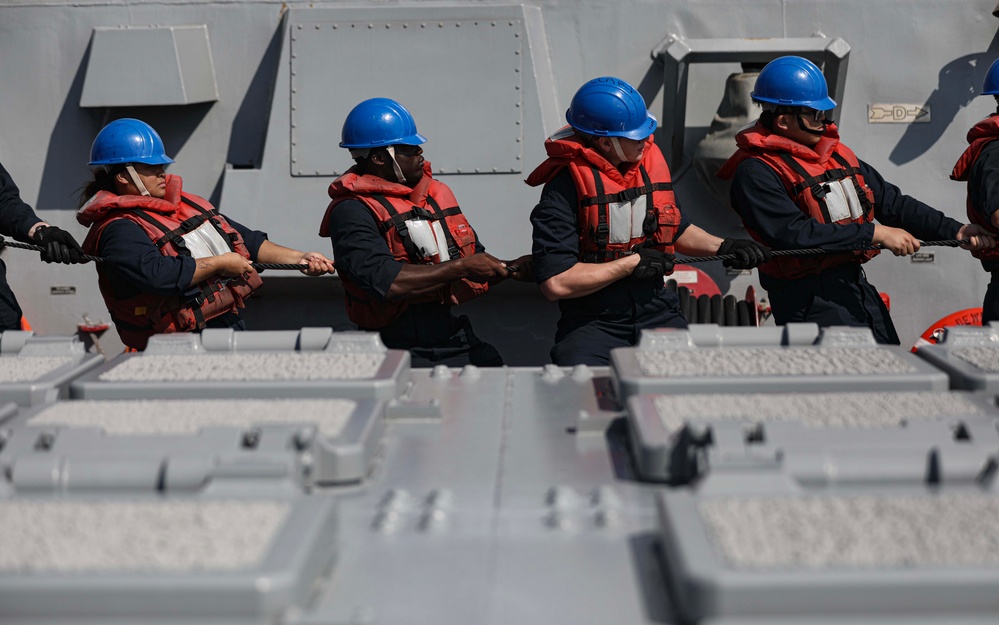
[
  {"x": 428, "y": 237},
  {"x": 626, "y": 219},
  {"x": 842, "y": 200},
  {"x": 205, "y": 241}
]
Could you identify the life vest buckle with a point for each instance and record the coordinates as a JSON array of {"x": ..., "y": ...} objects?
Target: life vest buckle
[
  {"x": 632, "y": 194},
  {"x": 424, "y": 213},
  {"x": 192, "y": 223}
]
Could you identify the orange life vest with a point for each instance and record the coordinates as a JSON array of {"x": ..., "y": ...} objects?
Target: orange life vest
[
  {"x": 406, "y": 218},
  {"x": 616, "y": 211},
  {"x": 980, "y": 135},
  {"x": 139, "y": 316},
  {"x": 808, "y": 174}
]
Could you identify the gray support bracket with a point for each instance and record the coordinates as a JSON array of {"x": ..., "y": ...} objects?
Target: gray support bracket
[{"x": 676, "y": 55}]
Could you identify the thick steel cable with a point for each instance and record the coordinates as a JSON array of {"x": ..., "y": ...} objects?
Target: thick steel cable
[
  {"x": 98, "y": 259},
  {"x": 810, "y": 251}
]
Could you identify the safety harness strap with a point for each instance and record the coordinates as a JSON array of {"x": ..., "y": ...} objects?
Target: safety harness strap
[
  {"x": 627, "y": 195},
  {"x": 169, "y": 236},
  {"x": 452, "y": 246},
  {"x": 398, "y": 221},
  {"x": 601, "y": 232}
]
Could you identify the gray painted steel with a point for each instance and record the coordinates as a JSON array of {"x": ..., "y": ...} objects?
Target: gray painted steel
[
  {"x": 181, "y": 55},
  {"x": 50, "y": 363},
  {"x": 498, "y": 495},
  {"x": 969, "y": 356},
  {"x": 506, "y": 495},
  {"x": 237, "y": 149}
]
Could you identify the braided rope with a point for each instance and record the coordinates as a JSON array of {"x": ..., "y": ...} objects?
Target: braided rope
[
  {"x": 98, "y": 259},
  {"x": 810, "y": 251}
]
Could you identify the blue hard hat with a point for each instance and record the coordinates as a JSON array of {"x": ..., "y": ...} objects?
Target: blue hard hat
[
  {"x": 793, "y": 81},
  {"x": 377, "y": 123},
  {"x": 610, "y": 107},
  {"x": 128, "y": 141},
  {"x": 991, "y": 84}
]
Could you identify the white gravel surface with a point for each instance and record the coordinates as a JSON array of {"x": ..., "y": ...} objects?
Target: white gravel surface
[
  {"x": 854, "y": 532},
  {"x": 169, "y": 536},
  {"x": 815, "y": 361},
  {"x": 255, "y": 366},
  {"x": 818, "y": 410},
  {"x": 188, "y": 416}
]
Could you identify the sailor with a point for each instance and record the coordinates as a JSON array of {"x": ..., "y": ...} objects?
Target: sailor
[
  {"x": 19, "y": 221},
  {"x": 608, "y": 223},
  {"x": 796, "y": 186},
  {"x": 404, "y": 251},
  {"x": 979, "y": 166},
  {"x": 172, "y": 262}
]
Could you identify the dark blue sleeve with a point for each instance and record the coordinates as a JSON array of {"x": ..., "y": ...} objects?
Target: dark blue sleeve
[
  {"x": 555, "y": 239},
  {"x": 253, "y": 239},
  {"x": 983, "y": 181},
  {"x": 684, "y": 224},
  {"x": 760, "y": 198},
  {"x": 894, "y": 208},
  {"x": 359, "y": 251},
  {"x": 126, "y": 247},
  {"x": 16, "y": 217}
]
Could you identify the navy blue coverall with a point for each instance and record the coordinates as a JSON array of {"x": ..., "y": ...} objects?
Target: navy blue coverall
[
  {"x": 592, "y": 325},
  {"x": 429, "y": 330},
  {"x": 983, "y": 194},
  {"x": 840, "y": 295},
  {"x": 134, "y": 264},
  {"x": 16, "y": 219}
]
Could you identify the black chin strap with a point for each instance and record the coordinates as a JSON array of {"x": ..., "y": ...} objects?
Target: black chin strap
[{"x": 817, "y": 133}]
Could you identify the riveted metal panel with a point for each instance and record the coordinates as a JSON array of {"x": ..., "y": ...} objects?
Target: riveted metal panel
[{"x": 427, "y": 65}]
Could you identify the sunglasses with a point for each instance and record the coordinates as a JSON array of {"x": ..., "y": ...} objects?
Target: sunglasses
[
  {"x": 403, "y": 149},
  {"x": 816, "y": 116}
]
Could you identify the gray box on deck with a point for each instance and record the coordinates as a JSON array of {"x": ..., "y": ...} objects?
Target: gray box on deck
[
  {"x": 707, "y": 587},
  {"x": 954, "y": 445},
  {"x": 342, "y": 348},
  {"x": 969, "y": 355},
  {"x": 302, "y": 550},
  {"x": 53, "y": 383},
  {"x": 67, "y": 456},
  {"x": 757, "y": 360}
]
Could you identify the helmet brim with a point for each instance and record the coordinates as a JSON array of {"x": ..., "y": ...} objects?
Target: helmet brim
[
  {"x": 825, "y": 104},
  {"x": 413, "y": 139},
  {"x": 638, "y": 134},
  {"x": 148, "y": 160}
]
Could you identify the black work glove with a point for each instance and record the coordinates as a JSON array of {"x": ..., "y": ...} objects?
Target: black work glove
[
  {"x": 654, "y": 265},
  {"x": 748, "y": 253},
  {"x": 60, "y": 246}
]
